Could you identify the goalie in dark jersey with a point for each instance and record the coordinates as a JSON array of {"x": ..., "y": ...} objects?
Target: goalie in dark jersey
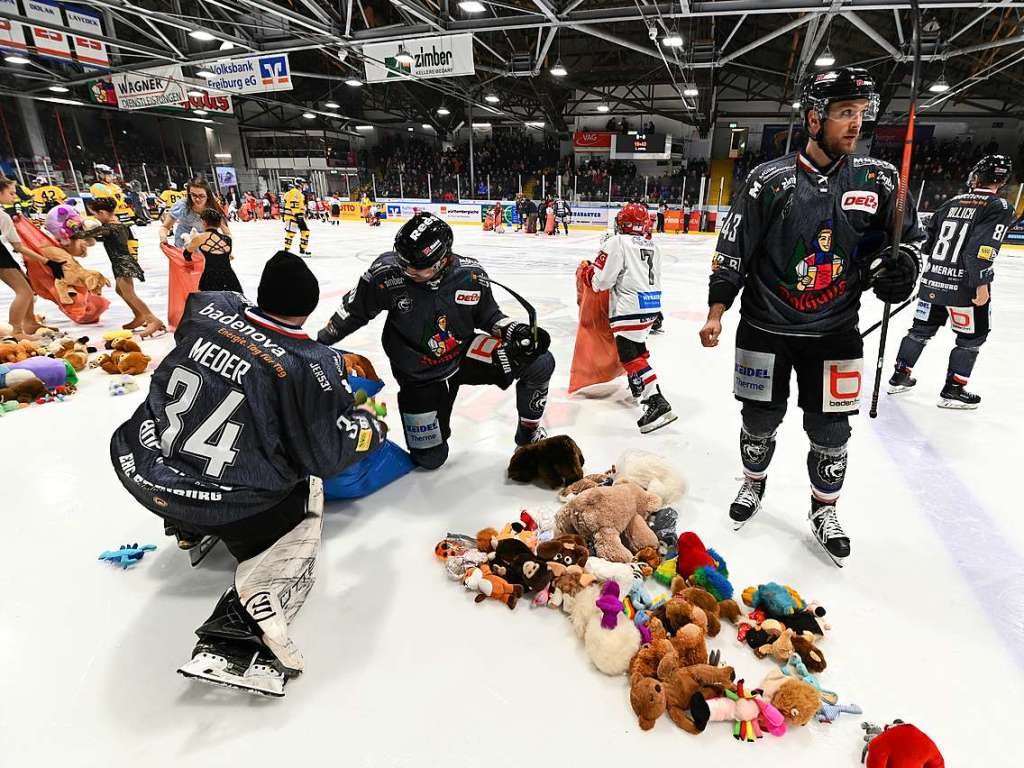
[
  {"x": 803, "y": 239},
  {"x": 964, "y": 237},
  {"x": 435, "y": 301},
  {"x": 243, "y": 417}
]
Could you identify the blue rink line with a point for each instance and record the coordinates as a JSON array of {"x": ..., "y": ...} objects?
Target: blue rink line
[{"x": 992, "y": 567}]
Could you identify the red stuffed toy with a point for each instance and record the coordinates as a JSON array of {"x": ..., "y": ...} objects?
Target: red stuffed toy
[
  {"x": 903, "y": 746},
  {"x": 692, "y": 554}
]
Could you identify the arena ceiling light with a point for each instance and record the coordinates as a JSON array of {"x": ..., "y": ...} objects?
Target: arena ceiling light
[
  {"x": 201, "y": 34},
  {"x": 410, "y": 129},
  {"x": 472, "y": 6},
  {"x": 205, "y": 73},
  {"x": 826, "y": 59},
  {"x": 796, "y": 105},
  {"x": 332, "y": 105},
  {"x": 690, "y": 91},
  {"x": 559, "y": 69},
  {"x": 353, "y": 83},
  {"x": 492, "y": 98},
  {"x": 443, "y": 110},
  {"x": 672, "y": 40},
  {"x": 535, "y": 123},
  {"x": 200, "y": 112},
  {"x": 939, "y": 86},
  {"x": 59, "y": 89},
  {"x": 58, "y": 100},
  {"x": 403, "y": 56},
  {"x": 15, "y": 59},
  {"x": 227, "y": 45},
  {"x": 481, "y": 125},
  {"x": 426, "y": 126},
  {"x": 308, "y": 115},
  {"x": 222, "y": 155},
  {"x": 364, "y": 127},
  {"x": 603, "y": 108}
]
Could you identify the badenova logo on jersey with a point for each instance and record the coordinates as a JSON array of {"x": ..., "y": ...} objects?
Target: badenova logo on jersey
[{"x": 255, "y": 74}]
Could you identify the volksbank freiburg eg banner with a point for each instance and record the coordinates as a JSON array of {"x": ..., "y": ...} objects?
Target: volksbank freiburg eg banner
[
  {"x": 255, "y": 74},
  {"x": 447, "y": 56}
]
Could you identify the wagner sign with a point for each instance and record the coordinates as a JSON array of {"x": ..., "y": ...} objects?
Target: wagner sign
[
  {"x": 447, "y": 56},
  {"x": 149, "y": 88}
]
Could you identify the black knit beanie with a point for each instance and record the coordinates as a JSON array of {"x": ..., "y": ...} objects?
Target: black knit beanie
[{"x": 288, "y": 287}]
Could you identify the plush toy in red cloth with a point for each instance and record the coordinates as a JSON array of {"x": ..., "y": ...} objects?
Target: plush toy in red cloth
[{"x": 900, "y": 745}]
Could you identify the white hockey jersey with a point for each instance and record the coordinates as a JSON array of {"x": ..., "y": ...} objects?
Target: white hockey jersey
[{"x": 629, "y": 266}]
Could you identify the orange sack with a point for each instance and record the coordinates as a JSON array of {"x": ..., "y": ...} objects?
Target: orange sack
[
  {"x": 182, "y": 279},
  {"x": 595, "y": 359},
  {"x": 87, "y": 308}
]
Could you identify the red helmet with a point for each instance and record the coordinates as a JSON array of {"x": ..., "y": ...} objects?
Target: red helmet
[{"x": 633, "y": 219}]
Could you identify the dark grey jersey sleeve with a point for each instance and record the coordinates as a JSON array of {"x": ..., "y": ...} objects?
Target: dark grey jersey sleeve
[
  {"x": 360, "y": 306},
  {"x": 736, "y": 247},
  {"x": 984, "y": 241}
]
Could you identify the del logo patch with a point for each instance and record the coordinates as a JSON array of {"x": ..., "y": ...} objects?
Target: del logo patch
[
  {"x": 860, "y": 200},
  {"x": 467, "y": 297}
]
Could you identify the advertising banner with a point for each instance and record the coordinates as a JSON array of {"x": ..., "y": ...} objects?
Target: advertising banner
[
  {"x": 87, "y": 49},
  {"x": 592, "y": 141},
  {"x": 157, "y": 87},
  {"x": 255, "y": 74},
  {"x": 12, "y": 33},
  {"x": 49, "y": 42},
  {"x": 445, "y": 56}
]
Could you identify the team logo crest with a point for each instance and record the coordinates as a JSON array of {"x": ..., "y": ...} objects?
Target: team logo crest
[
  {"x": 443, "y": 341},
  {"x": 816, "y": 274}
]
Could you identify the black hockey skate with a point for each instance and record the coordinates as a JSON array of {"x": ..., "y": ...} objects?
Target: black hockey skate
[
  {"x": 525, "y": 435},
  {"x": 901, "y": 381},
  {"x": 305, "y": 254},
  {"x": 748, "y": 502},
  {"x": 955, "y": 397},
  {"x": 828, "y": 532},
  {"x": 657, "y": 413},
  {"x": 231, "y": 653}
]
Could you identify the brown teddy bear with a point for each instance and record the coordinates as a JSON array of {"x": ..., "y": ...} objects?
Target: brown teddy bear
[
  {"x": 555, "y": 461},
  {"x": 360, "y": 366},
  {"x": 715, "y": 610},
  {"x": 609, "y": 516},
  {"x": 24, "y": 391},
  {"x": 15, "y": 352},
  {"x": 677, "y": 612},
  {"x": 126, "y": 357},
  {"x": 585, "y": 484},
  {"x": 795, "y": 699},
  {"x": 810, "y": 654},
  {"x": 566, "y": 550}
]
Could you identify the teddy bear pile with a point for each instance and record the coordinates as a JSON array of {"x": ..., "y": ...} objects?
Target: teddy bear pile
[
  {"x": 645, "y": 601},
  {"x": 45, "y": 367}
]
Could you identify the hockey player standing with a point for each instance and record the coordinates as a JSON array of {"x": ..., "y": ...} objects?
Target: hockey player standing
[
  {"x": 964, "y": 236},
  {"x": 295, "y": 217},
  {"x": 798, "y": 243},
  {"x": 562, "y": 214},
  {"x": 46, "y": 195},
  {"x": 435, "y": 301},
  {"x": 629, "y": 265},
  {"x": 106, "y": 186},
  {"x": 242, "y": 418}
]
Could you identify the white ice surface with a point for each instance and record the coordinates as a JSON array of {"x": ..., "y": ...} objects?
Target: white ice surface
[{"x": 403, "y": 669}]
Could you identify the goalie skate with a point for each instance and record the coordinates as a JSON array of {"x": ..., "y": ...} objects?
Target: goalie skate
[{"x": 235, "y": 665}]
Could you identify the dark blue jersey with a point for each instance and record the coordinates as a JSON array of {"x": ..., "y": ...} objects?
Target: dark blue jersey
[{"x": 241, "y": 410}]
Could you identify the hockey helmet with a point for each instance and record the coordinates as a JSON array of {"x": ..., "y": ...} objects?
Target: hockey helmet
[
  {"x": 423, "y": 242},
  {"x": 991, "y": 169},
  {"x": 299, "y": 181},
  {"x": 822, "y": 89},
  {"x": 103, "y": 170},
  {"x": 173, "y": 185},
  {"x": 633, "y": 219},
  {"x": 40, "y": 181}
]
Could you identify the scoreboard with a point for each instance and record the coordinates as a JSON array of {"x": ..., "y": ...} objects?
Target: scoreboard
[{"x": 641, "y": 146}]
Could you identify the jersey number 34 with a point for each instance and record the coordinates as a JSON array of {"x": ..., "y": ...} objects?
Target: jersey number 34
[{"x": 215, "y": 438}]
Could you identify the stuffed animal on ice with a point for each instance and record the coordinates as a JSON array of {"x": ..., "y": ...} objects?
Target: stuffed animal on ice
[
  {"x": 63, "y": 222},
  {"x": 797, "y": 700},
  {"x": 613, "y": 518},
  {"x": 610, "y": 639},
  {"x": 19, "y": 385},
  {"x": 783, "y": 603},
  {"x": 652, "y": 473},
  {"x": 480, "y": 579},
  {"x": 702, "y": 567},
  {"x": 555, "y": 461},
  {"x": 125, "y": 357},
  {"x": 745, "y": 710},
  {"x": 899, "y": 745}
]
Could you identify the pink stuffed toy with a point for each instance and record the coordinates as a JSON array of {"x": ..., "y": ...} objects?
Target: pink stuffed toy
[{"x": 63, "y": 222}]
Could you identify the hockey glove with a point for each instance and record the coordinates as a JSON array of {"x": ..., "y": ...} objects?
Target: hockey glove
[
  {"x": 518, "y": 337},
  {"x": 894, "y": 279}
]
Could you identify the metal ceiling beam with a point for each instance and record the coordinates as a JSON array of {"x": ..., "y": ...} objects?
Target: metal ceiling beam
[
  {"x": 543, "y": 52},
  {"x": 735, "y": 29},
  {"x": 766, "y": 38},
  {"x": 600, "y": 33},
  {"x": 111, "y": 41},
  {"x": 169, "y": 19},
  {"x": 873, "y": 34},
  {"x": 546, "y": 9}
]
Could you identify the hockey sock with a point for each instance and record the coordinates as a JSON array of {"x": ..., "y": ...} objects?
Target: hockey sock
[
  {"x": 288, "y": 237},
  {"x": 826, "y": 468},
  {"x": 961, "y": 364},
  {"x": 304, "y": 240},
  {"x": 640, "y": 370},
  {"x": 910, "y": 350},
  {"x": 272, "y": 586},
  {"x": 756, "y": 452}
]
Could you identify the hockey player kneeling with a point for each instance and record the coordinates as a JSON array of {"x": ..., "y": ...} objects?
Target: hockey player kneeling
[
  {"x": 435, "y": 302},
  {"x": 242, "y": 419},
  {"x": 795, "y": 243}
]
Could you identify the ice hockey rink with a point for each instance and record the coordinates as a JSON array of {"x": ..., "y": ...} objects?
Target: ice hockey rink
[{"x": 404, "y": 669}]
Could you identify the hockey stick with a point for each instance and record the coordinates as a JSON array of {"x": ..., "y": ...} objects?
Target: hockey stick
[
  {"x": 896, "y": 311},
  {"x": 531, "y": 312},
  {"x": 901, "y": 198}
]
